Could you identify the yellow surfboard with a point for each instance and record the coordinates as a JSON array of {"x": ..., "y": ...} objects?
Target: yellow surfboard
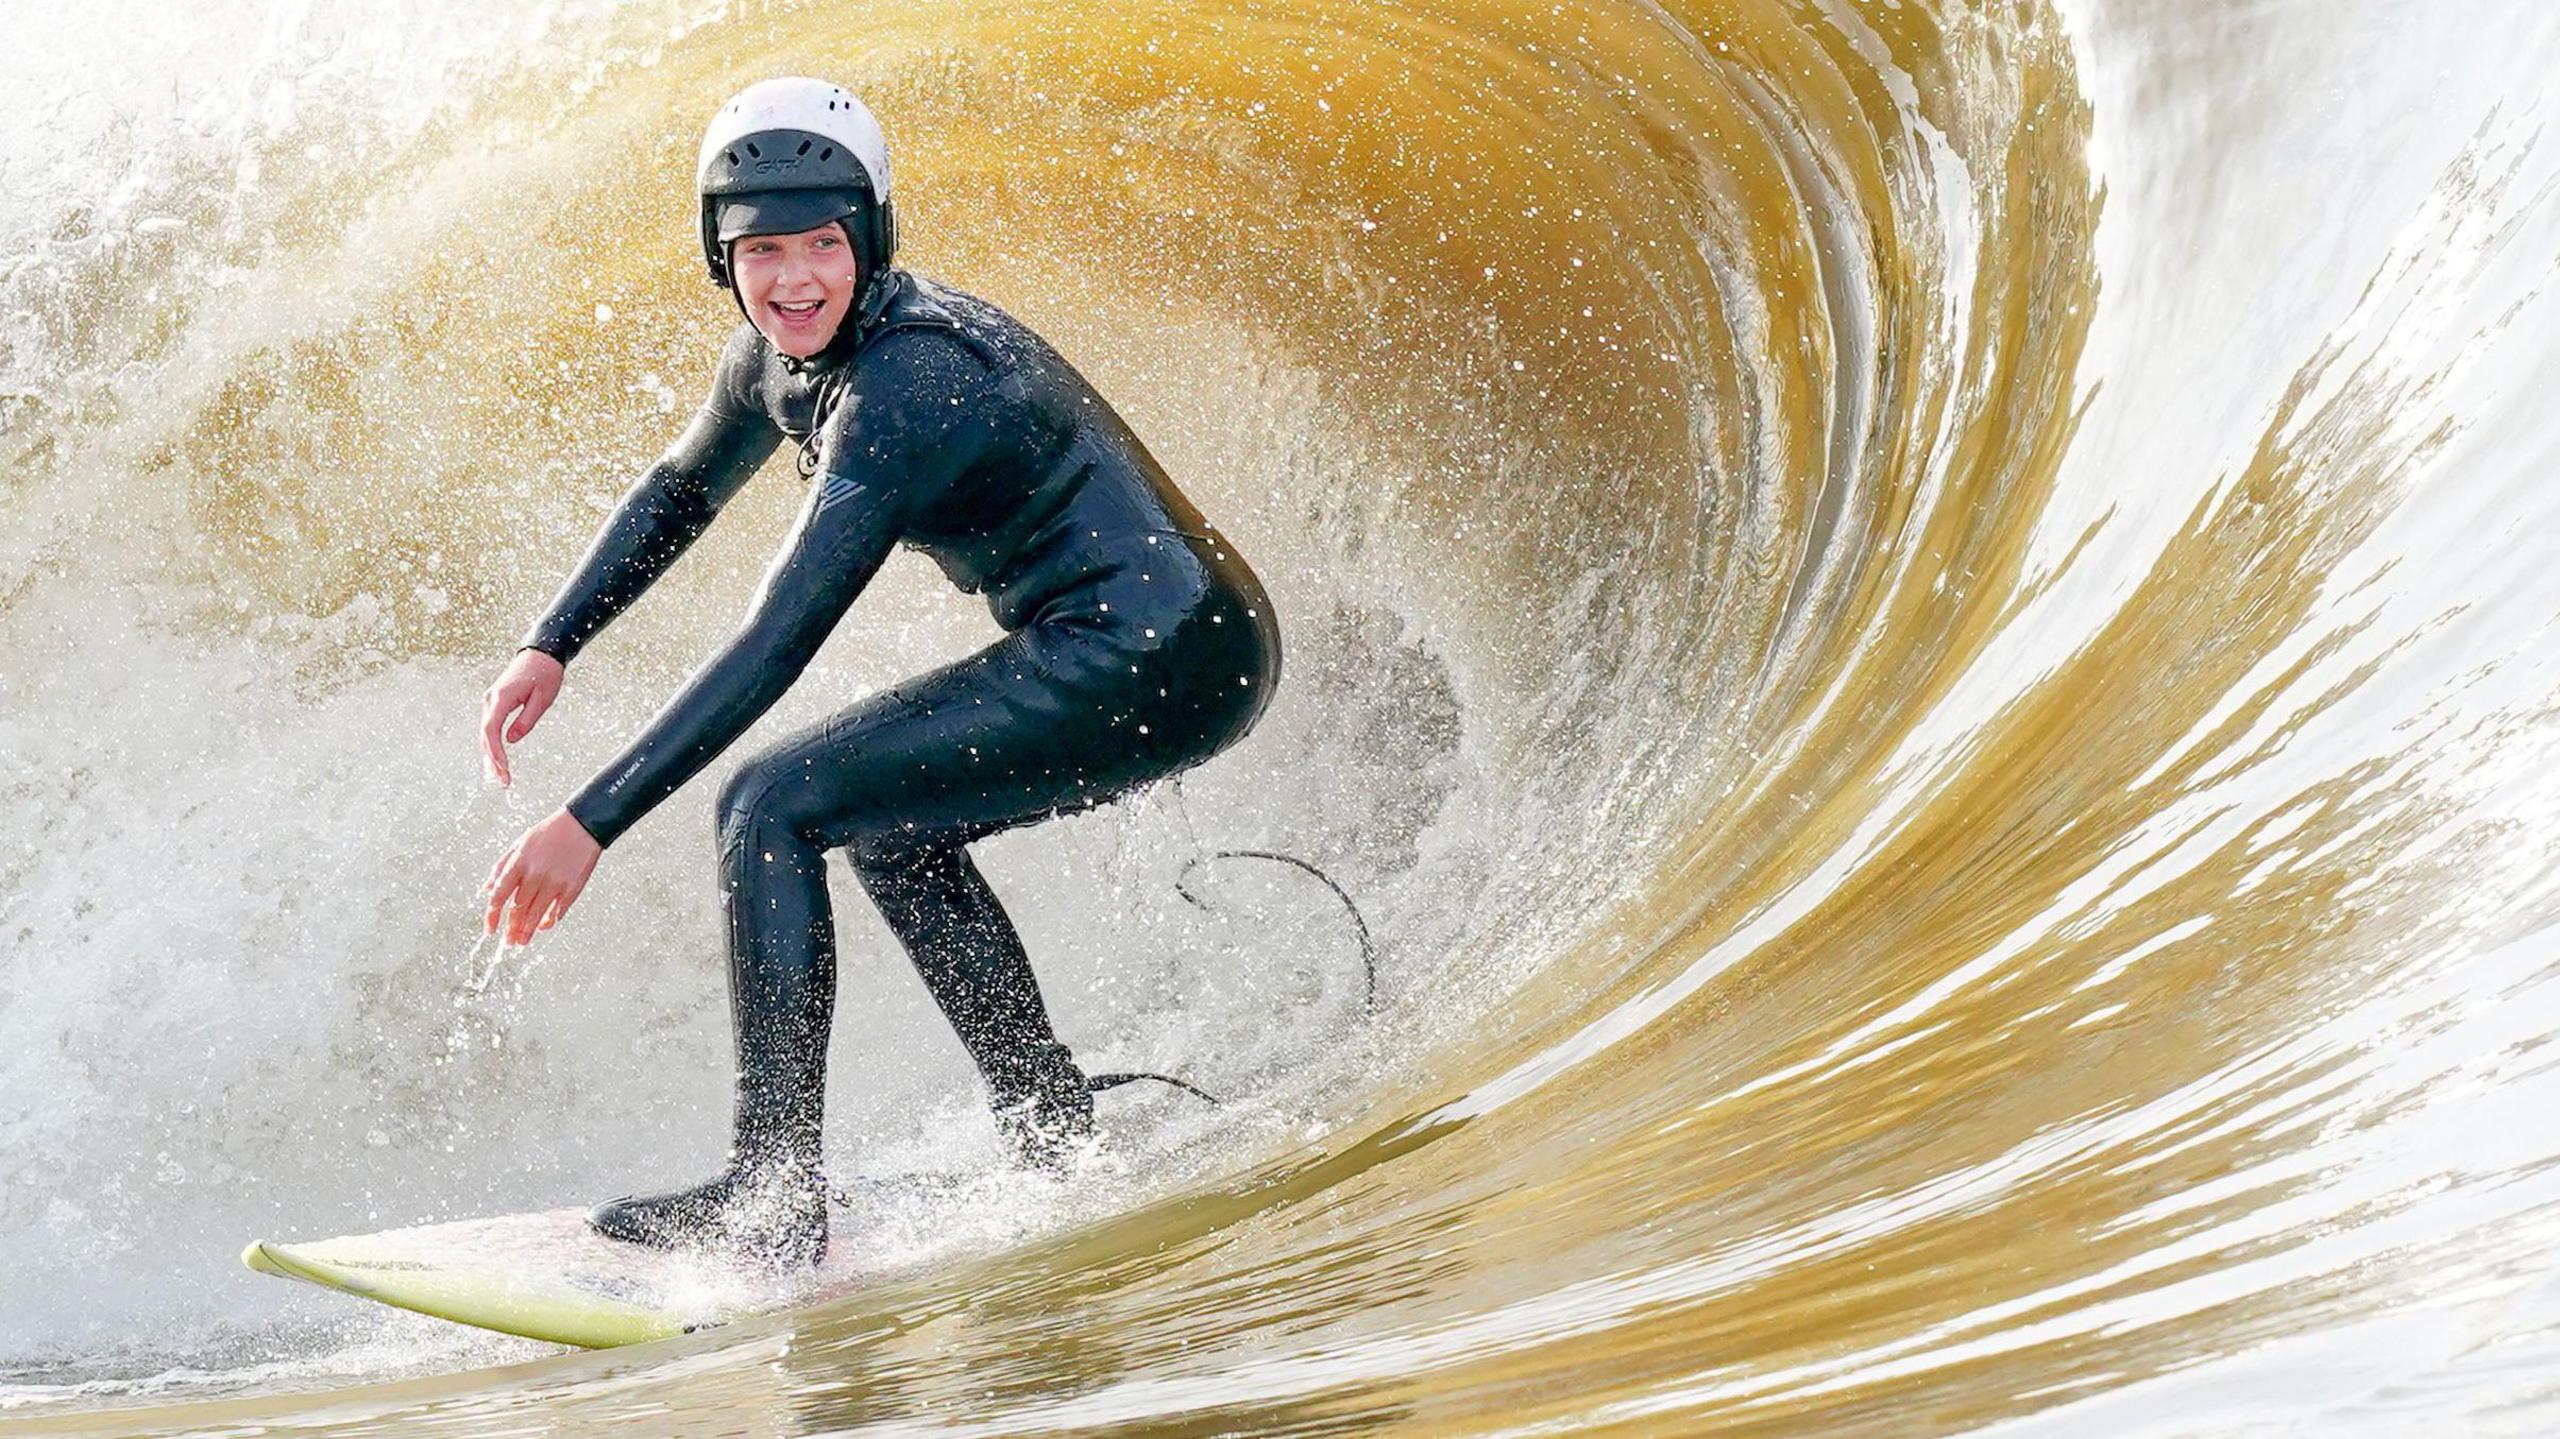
[{"x": 543, "y": 1276}]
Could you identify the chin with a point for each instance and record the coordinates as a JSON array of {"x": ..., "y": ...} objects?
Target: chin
[{"x": 801, "y": 347}]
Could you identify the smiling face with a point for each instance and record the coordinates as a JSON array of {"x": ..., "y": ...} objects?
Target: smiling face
[{"x": 796, "y": 288}]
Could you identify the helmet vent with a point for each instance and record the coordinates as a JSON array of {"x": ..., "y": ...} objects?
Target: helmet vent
[
  {"x": 752, "y": 150},
  {"x": 804, "y": 147},
  {"x": 733, "y": 156},
  {"x": 828, "y": 153}
]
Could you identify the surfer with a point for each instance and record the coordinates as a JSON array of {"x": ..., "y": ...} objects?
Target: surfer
[{"x": 1137, "y": 643}]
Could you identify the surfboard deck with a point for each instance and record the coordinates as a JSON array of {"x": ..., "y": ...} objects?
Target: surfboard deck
[{"x": 547, "y": 1276}]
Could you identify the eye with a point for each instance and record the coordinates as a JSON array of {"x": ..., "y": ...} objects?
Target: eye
[{"x": 829, "y": 242}]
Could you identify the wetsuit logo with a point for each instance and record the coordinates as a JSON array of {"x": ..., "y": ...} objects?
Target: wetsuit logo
[{"x": 835, "y": 491}]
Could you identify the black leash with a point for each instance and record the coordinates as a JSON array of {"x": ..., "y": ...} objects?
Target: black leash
[
  {"x": 1101, "y": 1082},
  {"x": 1368, "y": 947},
  {"x": 1182, "y": 886},
  {"x": 1096, "y": 1084}
]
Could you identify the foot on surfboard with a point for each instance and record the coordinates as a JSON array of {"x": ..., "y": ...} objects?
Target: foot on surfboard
[
  {"x": 1045, "y": 1112},
  {"x": 769, "y": 1218}
]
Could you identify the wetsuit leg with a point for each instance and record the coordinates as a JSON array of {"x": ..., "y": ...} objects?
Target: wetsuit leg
[
  {"x": 782, "y": 978},
  {"x": 769, "y": 1200},
  {"x": 968, "y": 953},
  {"x": 1048, "y": 720}
]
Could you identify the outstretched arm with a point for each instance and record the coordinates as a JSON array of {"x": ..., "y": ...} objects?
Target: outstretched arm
[
  {"x": 882, "y": 469},
  {"x": 661, "y": 515},
  {"x": 831, "y": 557},
  {"x": 659, "y": 519},
  {"x": 919, "y": 395},
  {"x": 826, "y": 565}
]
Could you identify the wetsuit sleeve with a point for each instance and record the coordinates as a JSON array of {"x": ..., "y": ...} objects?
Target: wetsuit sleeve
[
  {"x": 908, "y": 425},
  {"x": 662, "y": 514}
]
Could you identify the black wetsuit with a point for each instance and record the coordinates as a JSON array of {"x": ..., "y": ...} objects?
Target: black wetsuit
[{"x": 1138, "y": 643}]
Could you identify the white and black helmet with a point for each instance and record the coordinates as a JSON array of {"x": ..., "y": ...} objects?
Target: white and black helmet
[{"x": 792, "y": 154}]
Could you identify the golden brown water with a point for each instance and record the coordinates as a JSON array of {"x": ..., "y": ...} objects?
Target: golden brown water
[{"x": 1957, "y": 594}]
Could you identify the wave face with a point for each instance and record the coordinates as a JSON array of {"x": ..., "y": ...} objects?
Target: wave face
[{"x": 1926, "y": 631}]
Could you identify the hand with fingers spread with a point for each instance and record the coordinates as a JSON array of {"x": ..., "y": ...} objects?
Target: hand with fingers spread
[
  {"x": 542, "y": 874},
  {"x": 514, "y": 705}
]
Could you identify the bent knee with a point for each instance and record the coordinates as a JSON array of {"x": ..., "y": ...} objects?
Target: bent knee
[
  {"x": 765, "y": 800},
  {"x": 895, "y": 851}
]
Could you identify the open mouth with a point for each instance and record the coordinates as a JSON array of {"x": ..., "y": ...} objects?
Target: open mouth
[{"x": 797, "y": 312}]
